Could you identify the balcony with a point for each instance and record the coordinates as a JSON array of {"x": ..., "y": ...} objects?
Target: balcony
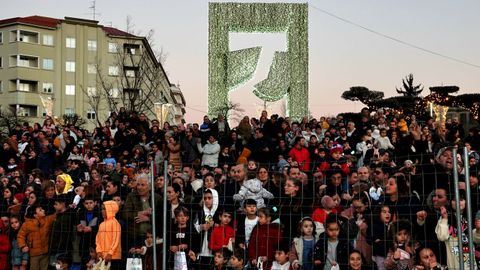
[
  {"x": 24, "y": 36},
  {"x": 24, "y": 85},
  {"x": 24, "y": 61},
  {"x": 24, "y": 110}
]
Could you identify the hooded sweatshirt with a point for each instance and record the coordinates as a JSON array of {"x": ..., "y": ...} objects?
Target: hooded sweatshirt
[{"x": 109, "y": 233}]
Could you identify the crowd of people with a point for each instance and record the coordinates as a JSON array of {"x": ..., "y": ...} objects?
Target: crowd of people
[{"x": 372, "y": 192}]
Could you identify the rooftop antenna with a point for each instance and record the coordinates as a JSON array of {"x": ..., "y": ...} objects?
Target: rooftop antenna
[{"x": 93, "y": 7}]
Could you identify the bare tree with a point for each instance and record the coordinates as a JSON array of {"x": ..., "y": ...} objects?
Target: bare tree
[
  {"x": 8, "y": 121},
  {"x": 140, "y": 81},
  {"x": 231, "y": 111}
]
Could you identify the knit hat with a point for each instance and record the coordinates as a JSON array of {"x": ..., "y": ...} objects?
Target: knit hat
[
  {"x": 327, "y": 202},
  {"x": 336, "y": 148},
  {"x": 477, "y": 216}
]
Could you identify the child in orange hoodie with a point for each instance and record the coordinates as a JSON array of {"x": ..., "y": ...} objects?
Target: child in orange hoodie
[{"x": 109, "y": 234}]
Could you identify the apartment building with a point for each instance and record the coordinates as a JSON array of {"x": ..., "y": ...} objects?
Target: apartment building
[{"x": 54, "y": 67}]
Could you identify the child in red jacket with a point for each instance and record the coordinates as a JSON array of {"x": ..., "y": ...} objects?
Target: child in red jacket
[
  {"x": 264, "y": 239},
  {"x": 222, "y": 234}
]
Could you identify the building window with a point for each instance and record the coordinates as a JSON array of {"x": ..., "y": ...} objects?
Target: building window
[
  {"x": 131, "y": 48},
  {"x": 70, "y": 42},
  {"x": 69, "y": 90},
  {"x": 48, "y": 87},
  {"x": 112, "y": 47},
  {"x": 91, "y": 114},
  {"x": 69, "y": 111},
  {"x": 70, "y": 66},
  {"x": 1, "y": 37},
  {"x": 1, "y": 62},
  {"x": 92, "y": 91},
  {"x": 113, "y": 92},
  {"x": 130, "y": 73},
  {"x": 23, "y": 86},
  {"x": 1, "y": 86},
  {"x": 91, "y": 69},
  {"x": 48, "y": 40},
  {"x": 47, "y": 64},
  {"x": 92, "y": 45},
  {"x": 113, "y": 70}
]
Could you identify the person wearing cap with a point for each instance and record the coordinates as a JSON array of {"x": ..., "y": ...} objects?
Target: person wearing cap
[{"x": 336, "y": 159}]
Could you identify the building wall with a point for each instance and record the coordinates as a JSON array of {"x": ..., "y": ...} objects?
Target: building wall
[{"x": 82, "y": 31}]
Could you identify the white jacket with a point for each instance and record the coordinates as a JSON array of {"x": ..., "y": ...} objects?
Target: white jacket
[{"x": 210, "y": 153}]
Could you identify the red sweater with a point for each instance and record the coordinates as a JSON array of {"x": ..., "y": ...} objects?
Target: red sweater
[
  {"x": 264, "y": 240},
  {"x": 220, "y": 237},
  {"x": 302, "y": 156}
]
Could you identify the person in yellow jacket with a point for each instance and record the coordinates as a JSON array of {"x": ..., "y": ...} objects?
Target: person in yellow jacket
[{"x": 108, "y": 238}]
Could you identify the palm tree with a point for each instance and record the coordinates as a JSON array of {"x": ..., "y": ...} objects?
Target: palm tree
[{"x": 409, "y": 90}]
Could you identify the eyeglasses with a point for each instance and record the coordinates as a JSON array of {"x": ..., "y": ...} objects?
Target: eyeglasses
[{"x": 377, "y": 172}]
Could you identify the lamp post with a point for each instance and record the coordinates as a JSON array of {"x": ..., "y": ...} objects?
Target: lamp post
[{"x": 158, "y": 107}]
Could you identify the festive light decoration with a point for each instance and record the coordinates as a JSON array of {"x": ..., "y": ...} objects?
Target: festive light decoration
[
  {"x": 224, "y": 70},
  {"x": 241, "y": 66},
  {"x": 277, "y": 83}
]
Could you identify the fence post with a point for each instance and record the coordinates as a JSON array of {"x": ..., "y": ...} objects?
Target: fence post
[
  {"x": 457, "y": 210},
  {"x": 154, "y": 212},
  {"x": 466, "y": 167},
  {"x": 165, "y": 214}
]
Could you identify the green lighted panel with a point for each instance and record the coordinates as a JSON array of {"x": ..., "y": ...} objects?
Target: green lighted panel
[{"x": 288, "y": 74}]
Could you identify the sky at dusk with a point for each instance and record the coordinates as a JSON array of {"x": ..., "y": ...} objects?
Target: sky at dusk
[{"x": 341, "y": 55}]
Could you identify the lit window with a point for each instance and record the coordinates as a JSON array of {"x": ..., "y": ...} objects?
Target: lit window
[
  {"x": 48, "y": 40},
  {"x": 47, "y": 64},
  {"x": 70, "y": 66},
  {"x": 92, "y": 45},
  {"x": 70, "y": 42},
  {"x": 69, "y": 90}
]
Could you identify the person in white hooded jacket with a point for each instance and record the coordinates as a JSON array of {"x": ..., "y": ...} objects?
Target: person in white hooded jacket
[{"x": 210, "y": 152}]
